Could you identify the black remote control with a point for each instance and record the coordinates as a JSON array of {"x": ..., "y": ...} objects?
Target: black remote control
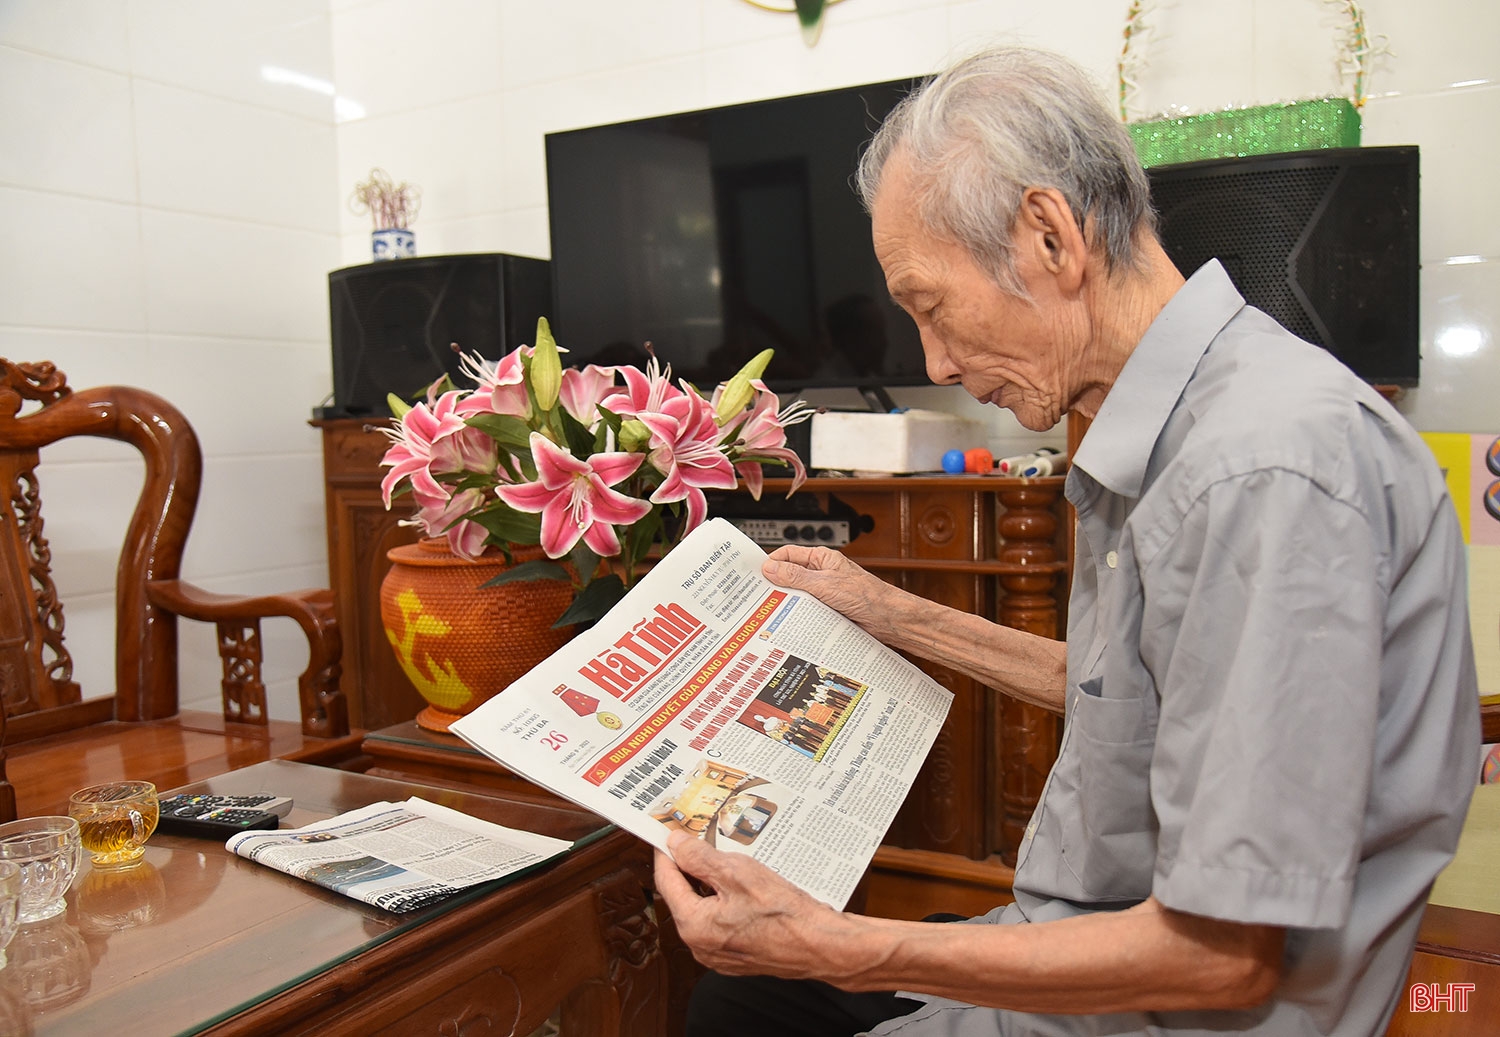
[
  {"x": 220, "y": 817},
  {"x": 193, "y": 806},
  {"x": 218, "y": 824}
]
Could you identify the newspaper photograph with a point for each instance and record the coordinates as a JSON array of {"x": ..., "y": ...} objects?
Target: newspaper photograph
[
  {"x": 398, "y": 856},
  {"x": 712, "y": 702}
]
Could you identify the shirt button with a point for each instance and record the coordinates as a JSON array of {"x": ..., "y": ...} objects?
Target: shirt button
[{"x": 1112, "y": 559}]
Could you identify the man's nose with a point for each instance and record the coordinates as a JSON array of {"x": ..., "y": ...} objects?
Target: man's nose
[{"x": 940, "y": 366}]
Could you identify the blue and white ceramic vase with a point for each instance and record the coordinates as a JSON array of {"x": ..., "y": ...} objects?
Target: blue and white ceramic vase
[{"x": 393, "y": 243}]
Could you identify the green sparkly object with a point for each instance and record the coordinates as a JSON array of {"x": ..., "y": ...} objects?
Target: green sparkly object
[{"x": 1264, "y": 130}]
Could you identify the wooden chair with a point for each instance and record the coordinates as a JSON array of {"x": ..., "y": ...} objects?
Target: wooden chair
[{"x": 52, "y": 740}]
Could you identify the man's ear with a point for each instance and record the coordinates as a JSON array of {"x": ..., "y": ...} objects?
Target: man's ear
[{"x": 1046, "y": 221}]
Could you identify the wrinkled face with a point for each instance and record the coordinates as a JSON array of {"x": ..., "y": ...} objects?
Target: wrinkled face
[{"x": 1008, "y": 351}]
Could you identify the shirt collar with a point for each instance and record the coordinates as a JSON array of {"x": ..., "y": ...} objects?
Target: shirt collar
[{"x": 1118, "y": 444}]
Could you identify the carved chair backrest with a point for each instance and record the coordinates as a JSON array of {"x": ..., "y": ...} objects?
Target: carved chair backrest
[{"x": 35, "y": 667}]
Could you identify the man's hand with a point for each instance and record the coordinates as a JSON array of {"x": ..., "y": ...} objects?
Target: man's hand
[
  {"x": 754, "y": 922},
  {"x": 838, "y": 583},
  {"x": 1025, "y": 666},
  {"x": 1144, "y": 958}
]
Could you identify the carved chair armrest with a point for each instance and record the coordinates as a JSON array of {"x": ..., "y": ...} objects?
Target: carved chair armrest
[{"x": 324, "y": 711}]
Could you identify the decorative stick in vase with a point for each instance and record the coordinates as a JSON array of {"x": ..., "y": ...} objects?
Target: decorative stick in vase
[{"x": 393, "y": 207}]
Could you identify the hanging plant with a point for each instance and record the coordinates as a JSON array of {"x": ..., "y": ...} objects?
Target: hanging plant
[{"x": 809, "y": 15}]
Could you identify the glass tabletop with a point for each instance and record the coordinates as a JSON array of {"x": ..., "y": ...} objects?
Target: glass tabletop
[
  {"x": 195, "y": 934},
  {"x": 410, "y": 733}
]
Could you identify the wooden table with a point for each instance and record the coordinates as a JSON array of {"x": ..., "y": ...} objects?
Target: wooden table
[
  {"x": 198, "y": 940},
  {"x": 407, "y": 752}
]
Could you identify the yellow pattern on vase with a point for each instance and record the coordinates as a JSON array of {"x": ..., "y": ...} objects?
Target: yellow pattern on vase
[
  {"x": 458, "y": 641},
  {"x": 437, "y": 682}
]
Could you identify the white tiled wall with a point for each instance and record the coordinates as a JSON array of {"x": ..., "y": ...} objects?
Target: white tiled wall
[
  {"x": 174, "y": 200},
  {"x": 171, "y": 216}
]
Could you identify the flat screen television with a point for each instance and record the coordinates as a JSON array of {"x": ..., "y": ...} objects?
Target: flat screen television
[{"x": 716, "y": 234}]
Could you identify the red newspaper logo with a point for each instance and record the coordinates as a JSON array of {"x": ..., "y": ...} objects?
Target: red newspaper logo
[
  {"x": 643, "y": 652},
  {"x": 642, "y": 735},
  {"x": 1439, "y": 997}
]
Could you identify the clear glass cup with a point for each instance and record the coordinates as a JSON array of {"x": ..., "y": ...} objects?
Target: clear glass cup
[
  {"x": 115, "y": 819},
  {"x": 49, "y": 965},
  {"x": 10, "y": 904},
  {"x": 48, "y": 851}
]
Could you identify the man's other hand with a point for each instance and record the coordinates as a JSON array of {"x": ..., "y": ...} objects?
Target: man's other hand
[{"x": 753, "y": 922}]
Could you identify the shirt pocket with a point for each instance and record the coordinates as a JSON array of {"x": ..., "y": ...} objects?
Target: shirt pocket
[{"x": 1113, "y": 852}]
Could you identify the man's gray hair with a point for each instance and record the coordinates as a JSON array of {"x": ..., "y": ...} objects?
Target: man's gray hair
[{"x": 979, "y": 134}]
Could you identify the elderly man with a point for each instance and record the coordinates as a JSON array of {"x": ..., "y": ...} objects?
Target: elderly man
[{"x": 1269, "y": 687}]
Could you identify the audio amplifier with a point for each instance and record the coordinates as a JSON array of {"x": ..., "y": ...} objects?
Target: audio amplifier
[{"x": 794, "y": 529}]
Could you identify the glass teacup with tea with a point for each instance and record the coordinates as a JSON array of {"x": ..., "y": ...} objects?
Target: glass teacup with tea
[{"x": 114, "y": 821}]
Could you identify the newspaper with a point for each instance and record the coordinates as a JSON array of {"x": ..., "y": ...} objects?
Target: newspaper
[
  {"x": 712, "y": 702},
  {"x": 398, "y": 856}
]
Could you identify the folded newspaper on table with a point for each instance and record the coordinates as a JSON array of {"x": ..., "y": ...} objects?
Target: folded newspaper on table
[
  {"x": 398, "y": 856},
  {"x": 710, "y": 701}
]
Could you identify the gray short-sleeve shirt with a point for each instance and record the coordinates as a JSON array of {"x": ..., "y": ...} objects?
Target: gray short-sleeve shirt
[{"x": 1272, "y": 708}]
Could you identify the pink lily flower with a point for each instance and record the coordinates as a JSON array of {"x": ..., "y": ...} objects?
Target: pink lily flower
[
  {"x": 468, "y": 450},
  {"x": 465, "y": 538},
  {"x": 583, "y": 391},
  {"x": 500, "y": 387},
  {"x": 685, "y": 448},
  {"x": 644, "y": 392},
  {"x": 419, "y": 436},
  {"x": 575, "y": 499},
  {"x": 763, "y": 438}
]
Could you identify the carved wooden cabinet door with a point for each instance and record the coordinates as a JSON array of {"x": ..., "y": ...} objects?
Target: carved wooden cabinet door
[{"x": 360, "y": 532}]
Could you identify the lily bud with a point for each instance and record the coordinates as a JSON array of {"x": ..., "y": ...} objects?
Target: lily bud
[
  {"x": 634, "y": 436},
  {"x": 546, "y": 367},
  {"x": 398, "y": 406},
  {"x": 738, "y": 392}
]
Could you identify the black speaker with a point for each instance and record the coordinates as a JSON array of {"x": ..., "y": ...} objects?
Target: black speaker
[
  {"x": 1323, "y": 241},
  {"x": 395, "y": 323}
]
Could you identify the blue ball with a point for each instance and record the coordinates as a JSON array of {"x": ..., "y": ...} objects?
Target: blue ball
[{"x": 953, "y": 461}]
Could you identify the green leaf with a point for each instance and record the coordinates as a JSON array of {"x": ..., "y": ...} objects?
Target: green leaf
[
  {"x": 585, "y": 563},
  {"x": 511, "y": 526},
  {"x": 398, "y": 406},
  {"x": 528, "y": 467},
  {"x": 593, "y": 601},
  {"x": 537, "y": 570},
  {"x": 508, "y": 431},
  {"x": 580, "y": 441},
  {"x": 474, "y": 481},
  {"x": 508, "y": 464},
  {"x": 642, "y": 535},
  {"x": 611, "y": 419}
]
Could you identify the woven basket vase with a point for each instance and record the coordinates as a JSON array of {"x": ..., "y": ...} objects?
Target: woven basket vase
[{"x": 459, "y": 643}]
